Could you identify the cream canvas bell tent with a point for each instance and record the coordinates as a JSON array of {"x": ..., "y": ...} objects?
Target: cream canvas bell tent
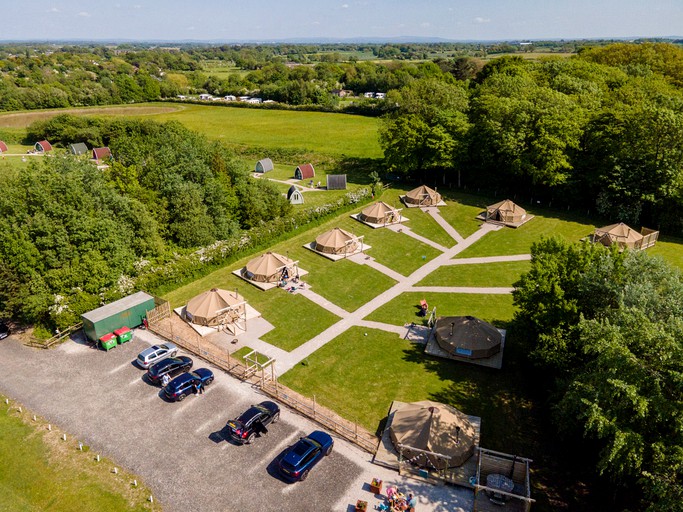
[
  {"x": 216, "y": 307},
  {"x": 624, "y": 237},
  {"x": 467, "y": 337},
  {"x": 380, "y": 213},
  {"x": 337, "y": 241},
  {"x": 434, "y": 427},
  {"x": 270, "y": 268},
  {"x": 422, "y": 196},
  {"x": 506, "y": 212}
]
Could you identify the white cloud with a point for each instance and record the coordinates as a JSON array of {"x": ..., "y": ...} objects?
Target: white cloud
[
  {"x": 53, "y": 9},
  {"x": 84, "y": 14},
  {"x": 137, "y": 6},
  {"x": 345, "y": 6},
  {"x": 479, "y": 19},
  {"x": 190, "y": 28},
  {"x": 425, "y": 24},
  {"x": 315, "y": 23}
]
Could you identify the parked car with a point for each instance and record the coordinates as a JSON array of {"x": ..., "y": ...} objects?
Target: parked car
[
  {"x": 4, "y": 330},
  {"x": 186, "y": 383},
  {"x": 155, "y": 353},
  {"x": 300, "y": 458},
  {"x": 170, "y": 366},
  {"x": 253, "y": 421}
]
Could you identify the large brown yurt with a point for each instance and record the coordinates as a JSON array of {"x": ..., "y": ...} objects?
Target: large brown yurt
[
  {"x": 433, "y": 427},
  {"x": 506, "y": 212},
  {"x": 215, "y": 307},
  {"x": 467, "y": 337},
  {"x": 269, "y": 268},
  {"x": 380, "y": 213},
  {"x": 422, "y": 196},
  {"x": 337, "y": 241}
]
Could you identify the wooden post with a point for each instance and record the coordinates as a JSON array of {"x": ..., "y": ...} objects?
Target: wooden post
[{"x": 313, "y": 406}]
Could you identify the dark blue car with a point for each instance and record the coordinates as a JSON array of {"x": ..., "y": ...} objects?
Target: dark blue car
[
  {"x": 298, "y": 459},
  {"x": 188, "y": 383}
]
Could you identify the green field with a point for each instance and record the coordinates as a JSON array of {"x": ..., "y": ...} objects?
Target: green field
[
  {"x": 339, "y": 135},
  {"x": 39, "y": 472}
]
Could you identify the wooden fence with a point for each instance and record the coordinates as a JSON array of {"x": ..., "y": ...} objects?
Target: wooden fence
[
  {"x": 57, "y": 338},
  {"x": 346, "y": 429},
  {"x": 173, "y": 329}
]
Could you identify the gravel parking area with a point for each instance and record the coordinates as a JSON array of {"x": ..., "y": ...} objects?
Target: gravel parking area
[{"x": 180, "y": 449}]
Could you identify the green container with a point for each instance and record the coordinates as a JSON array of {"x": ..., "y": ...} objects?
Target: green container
[
  {"x": 123, "y": 334},
  {"x": 128, "y": 312},
  {"x": 108, "y": 341}
]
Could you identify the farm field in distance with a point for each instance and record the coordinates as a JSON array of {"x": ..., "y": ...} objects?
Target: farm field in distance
[{"x": 303, "y": 132}]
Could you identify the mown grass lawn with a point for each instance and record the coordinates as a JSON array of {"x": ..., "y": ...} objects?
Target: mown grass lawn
[
  {"x": 358, "y": 376},
  {"x": 488, "y": 274},
  {"x": 670, "y": 249},
  {"x": 496, "y": 309},
  {"x": 39, "y": 472},
  {"x": 295, "y": 318},
  {"x": 518, "y": 241},
  {"x": 421, "y": 223}
]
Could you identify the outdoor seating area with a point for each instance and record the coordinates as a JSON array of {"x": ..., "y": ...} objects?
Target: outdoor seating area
[
  {"x": 502, "y": 482},
  {"x": 625, "y": 237}
]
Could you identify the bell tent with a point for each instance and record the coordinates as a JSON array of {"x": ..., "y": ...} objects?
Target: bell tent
[
  {"x": 506, "y": 212},
  {"x": 337, "y": 241},
  {"x": 270, "y": 268},
  {"x": 216, "y": 307},
  {"x": 625, "y": 237},
  {"x": 380, "y": 213},
  {"x": 440, "y": 429},
  {"x": 422, "y": 196}
]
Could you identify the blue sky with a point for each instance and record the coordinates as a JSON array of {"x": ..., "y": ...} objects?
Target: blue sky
[{"x": 280, "y": 19}]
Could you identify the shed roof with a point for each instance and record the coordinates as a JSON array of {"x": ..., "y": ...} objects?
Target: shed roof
[
  {"x": 101, "y": 153},
  {"x": 307, "y": 171},
  {"x": 78, "y": 148},
  {"x": 118, "y": 305},
  {"x": 336, "y": 182},
  {"x": 43, "y": 145},
  {"x": 264, "y": 165}
]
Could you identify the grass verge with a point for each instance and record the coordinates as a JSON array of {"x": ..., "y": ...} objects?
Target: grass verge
[
  {"x": 39, "y": 471},
  {"x": 485, "y": 274}
]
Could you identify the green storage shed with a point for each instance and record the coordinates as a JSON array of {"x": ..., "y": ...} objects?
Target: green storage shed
[{"x": 129, "y": 312}]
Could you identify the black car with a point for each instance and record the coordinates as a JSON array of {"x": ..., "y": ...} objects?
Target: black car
[
  {"x": 4, "y": 330},
  {"x": 170, "y": 366},
  {"x": 187, "y": 383},
  {"x": 253, "y": 421}
]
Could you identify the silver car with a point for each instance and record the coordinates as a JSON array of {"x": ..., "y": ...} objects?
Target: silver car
[{"x": 155, "y": 353}]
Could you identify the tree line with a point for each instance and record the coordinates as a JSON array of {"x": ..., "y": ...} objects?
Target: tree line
[
  {"x": 601, "y": 131},
  {"x": 70, "y": 233},
  {"x": 603, "y": 332}
]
